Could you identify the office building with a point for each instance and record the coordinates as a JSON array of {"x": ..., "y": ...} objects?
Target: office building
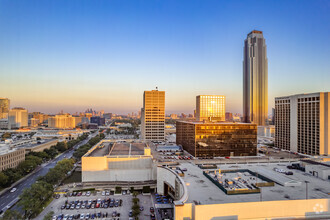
[
  {"x": 153, "y": 116},
  {"x": 255, "y": 79},
  {"x": 10, "y": 158},
  {"x": 302, "y": 123},
  {"x": 229, "y": 116},
  {"x": 210, "y": 108},
  {"x": 207, "y": 139},
  {"x": 98, "y": 120},
  {"x": 4, "y": 108},
  {"x": 18, "y": 118},
  {"x": 62, "y": 121}
]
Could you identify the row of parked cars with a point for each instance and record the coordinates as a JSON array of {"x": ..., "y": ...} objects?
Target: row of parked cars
[
  {"x": 92, "y": 204},
  {"x": 161, "y": 199},
  {"x": 115, "y": 216},
  {"x": 179, "y": 157},
  {"x": 73, "y": 194}
]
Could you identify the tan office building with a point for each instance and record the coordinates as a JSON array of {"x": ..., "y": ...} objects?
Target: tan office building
[
  {"x": 4, "y": 108},
  {"x": 153, "y": 116},
  {"x": 210, "y": 108},
  {"x": 302, "y": 123},
  {"x": 11, "y": 158},
  {"x": 62, "y": 121}
]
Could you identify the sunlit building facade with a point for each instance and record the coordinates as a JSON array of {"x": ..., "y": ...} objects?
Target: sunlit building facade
[
  {"x": 62, "y": 121},
  {"x": 18, "y": 118},
  {"x": 210, "y": 108},
  {"x": 4, "y": 108},
  {"x": 255, "y": 79},
  {"x": 302, "y": 123},
  {"x": 153, "y": 116},
  {"x": 208, "y": 140}
]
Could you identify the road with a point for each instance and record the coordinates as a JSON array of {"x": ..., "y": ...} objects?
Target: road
[{"x": 9, "y": 198}]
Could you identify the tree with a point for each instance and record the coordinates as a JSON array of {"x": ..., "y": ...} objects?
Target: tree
[
  {"x": 33, "y": 198},
  {"x": 49, "y": 216},
  {"x": 3, "y": 180},
  {"x": 12, "y": 215},
  {"x": 26, "y": 166},
  {"x": 13, "y": 175},
  {"x": 61, "y": 146}
]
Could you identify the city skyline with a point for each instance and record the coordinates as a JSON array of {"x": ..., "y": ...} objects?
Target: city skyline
[{"x": 52, "y": 63}]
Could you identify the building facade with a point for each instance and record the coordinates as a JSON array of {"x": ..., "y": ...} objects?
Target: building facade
[
  {"x": 18, "y": 117},
  {"x": 11, "y": 158},
  {"x": 255, "y": 79},
  {"x": 302, "y": 123},
  {"x": 210, "y": 108},
  {"x": 62, "y": 121},
  {"x": 4, "y": 108},
  {"x": 217, "y": 139},
  {"x": 153, "y": 116}
]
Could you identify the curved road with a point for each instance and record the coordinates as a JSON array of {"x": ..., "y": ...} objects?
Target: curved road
[{"x": 9, "y": 198}]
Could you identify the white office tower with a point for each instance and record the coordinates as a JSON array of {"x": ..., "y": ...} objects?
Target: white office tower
[
  {"x": 153, "y": 116},
  {"x": 302, "y": 123},
  {"x": 18, "y": 117},
  {"x": 255, "y": 79}
]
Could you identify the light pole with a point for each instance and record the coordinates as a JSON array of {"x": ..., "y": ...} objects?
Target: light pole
[{"x": 306, "y": 188}]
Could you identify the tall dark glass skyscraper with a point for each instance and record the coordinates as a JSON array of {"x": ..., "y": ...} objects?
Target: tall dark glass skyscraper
[{"x": 255, "y": 79}]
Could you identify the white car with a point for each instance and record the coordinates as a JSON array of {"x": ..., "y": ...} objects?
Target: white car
[
  {"x": 82, "y": 216},
  {"x": 13, "y": 190}
]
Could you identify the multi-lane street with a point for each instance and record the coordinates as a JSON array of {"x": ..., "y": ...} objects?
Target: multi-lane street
[{"x": 9, "y": 198}]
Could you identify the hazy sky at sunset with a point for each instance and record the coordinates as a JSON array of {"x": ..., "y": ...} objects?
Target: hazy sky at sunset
[{"x": 78, "y": 54}]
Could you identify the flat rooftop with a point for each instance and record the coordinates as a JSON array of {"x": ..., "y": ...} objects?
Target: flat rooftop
[
  {"x": 216, "y": 123},
  {"x": 102, "y": 150},
  {"x": 118, "y": 149},
  {"x": 202, "y": 190},
  {"x": 128, "y": 149}
]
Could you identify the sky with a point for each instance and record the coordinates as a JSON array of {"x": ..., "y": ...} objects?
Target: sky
[{"x": 102, "y": 54}]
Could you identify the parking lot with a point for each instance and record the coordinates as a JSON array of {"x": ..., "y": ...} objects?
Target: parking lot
[{"x": 97, "y": 206}]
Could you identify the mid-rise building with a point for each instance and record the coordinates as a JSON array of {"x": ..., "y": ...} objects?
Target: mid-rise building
[
  {"x": 302, "y": 123},
  {"x": 18, "y": 118},
  {"x": 153, "y": 116},
  {"x": 98, "y": 120},
  {"x": 255, "y": 79},
  {"x": 62, "y": 121},
  {"x": 4, "y": 108},
  {"x": 207, "y": 139},
  {"x": 210, "y": 107},
  {"x": 34, "y": 122}
]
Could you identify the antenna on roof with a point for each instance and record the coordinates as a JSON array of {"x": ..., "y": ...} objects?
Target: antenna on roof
[{"x": 156, "y": 87}]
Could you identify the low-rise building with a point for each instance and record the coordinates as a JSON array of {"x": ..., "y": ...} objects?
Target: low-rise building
[{"x": 118, "y": 162}]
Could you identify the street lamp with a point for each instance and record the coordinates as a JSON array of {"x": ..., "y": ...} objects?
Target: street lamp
[{"x": 306, "y": 188}]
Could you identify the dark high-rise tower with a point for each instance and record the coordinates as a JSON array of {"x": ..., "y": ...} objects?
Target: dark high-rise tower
[{"x": 255, "y": 79}]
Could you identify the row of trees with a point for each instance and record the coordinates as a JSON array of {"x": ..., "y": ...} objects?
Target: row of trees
[
  {"x": 135, "y": 207},
  {"x": 33, "y": 159},
  {"x": 84, "y": 149},
  {"x": 34, "y": 199}
]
